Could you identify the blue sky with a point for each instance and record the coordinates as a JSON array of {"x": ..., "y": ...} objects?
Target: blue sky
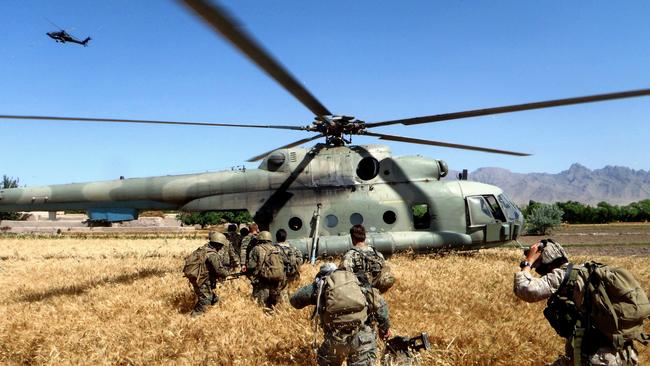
[{"x": 374, "y": 60}]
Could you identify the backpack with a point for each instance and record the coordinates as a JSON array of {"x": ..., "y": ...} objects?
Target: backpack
[
  {"x": 614, "y": 304},
  {"x": 375, "y": 267},
  {"x": 292, "y": 261},
  {"x": 195, "y": 268},
  {"x": 344, "y": 305},
  {"x": 272, "y": 266}
]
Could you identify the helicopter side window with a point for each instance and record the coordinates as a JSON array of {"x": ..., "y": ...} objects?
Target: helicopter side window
[
  {"x": 421, "y": 216},
  {"x": 356, "y": 219},
  {"x": 295, "y": 223},
  {"x": 389, "y": 217},
  {"x": 511, "y": 209},
  {"x": 496, "y": 210},
  {"x": 368, "y": 168},
  {"x": 479, "y": 211},
  {"x": 331, "y": 221}
]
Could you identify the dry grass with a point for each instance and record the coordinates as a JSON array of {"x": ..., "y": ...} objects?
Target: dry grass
[{"x": 101, "y": 301}]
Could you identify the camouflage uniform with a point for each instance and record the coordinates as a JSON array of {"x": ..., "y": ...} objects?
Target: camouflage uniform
[
  {"x": 247, "y": 244},
  {"x": 234, "y": 249},
  {"x": 354, "y": 262},
  {"x": 533, "y": 289},
  {"x": 357, "y": 348},
  {"x": 265, "y": 292},
  {"x": 217, "y": 265},
  {"x": 293, "y": 278}
]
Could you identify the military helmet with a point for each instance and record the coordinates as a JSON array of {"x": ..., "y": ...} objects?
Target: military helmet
[
  {"x": 217, "y": 237},
  {"x": 264, "y": 236},
  {"x": 552, "y": 251}
]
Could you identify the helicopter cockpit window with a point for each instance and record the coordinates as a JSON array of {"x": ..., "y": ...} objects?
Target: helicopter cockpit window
[
  {"x": 494, "y": 206},
  {"x": 295, "y": 223},
  {"x": 512, "y": 211},
  {"x": 356, "y": 219},
  {"x": 389, "y": 217},
  {"x": 479, "y": 211},
  {"x": 331, "y": 220},
  {"x": 421, "y": 216},
  {"x": 368, "y": 168}
]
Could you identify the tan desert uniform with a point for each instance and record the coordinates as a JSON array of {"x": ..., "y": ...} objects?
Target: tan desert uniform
[{"x": 533, "y": 289}]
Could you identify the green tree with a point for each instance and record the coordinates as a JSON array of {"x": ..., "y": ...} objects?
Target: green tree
[
  {"x": 10, "y": 182},
  {"x": 208, "y": 218},
  {"x": 542, "y": 218}
]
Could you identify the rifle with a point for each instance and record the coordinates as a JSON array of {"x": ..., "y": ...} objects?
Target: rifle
[
  {"x": 399, "y": 344},
  {"x": 234, "y": 276}
]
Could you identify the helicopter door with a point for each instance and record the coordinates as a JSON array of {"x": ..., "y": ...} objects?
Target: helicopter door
[{"x": 483, "y": 215}]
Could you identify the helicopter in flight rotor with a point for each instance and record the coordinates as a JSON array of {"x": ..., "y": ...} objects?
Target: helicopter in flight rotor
[
  {"x": 316, "y": 193},
  {"x": 63, "y": 36}
]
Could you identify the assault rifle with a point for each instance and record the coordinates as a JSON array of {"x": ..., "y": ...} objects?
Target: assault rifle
[{"x": 399, "y": 344}]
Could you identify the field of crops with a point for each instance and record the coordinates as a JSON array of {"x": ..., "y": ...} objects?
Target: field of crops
[{"x": 124, "y": 301}]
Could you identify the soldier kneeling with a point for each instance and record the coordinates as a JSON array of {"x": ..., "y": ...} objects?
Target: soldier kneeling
[{"x": 346, "y": 310}]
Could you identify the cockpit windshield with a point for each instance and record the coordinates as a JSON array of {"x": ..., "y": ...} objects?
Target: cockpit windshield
[{"x": 512, "y": 211}]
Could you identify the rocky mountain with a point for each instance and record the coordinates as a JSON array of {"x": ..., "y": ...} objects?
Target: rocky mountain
[{"x": 613, "y": 184}]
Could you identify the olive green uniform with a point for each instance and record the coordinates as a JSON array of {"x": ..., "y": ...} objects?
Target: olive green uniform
[
  {"x": 358, "y": 348},
  {"x": 234, "y": 249},
  {"x": 532, "y": 289},
  {"x": 247, "y": 244},
  {"x": 216, "y": 261},
  {"x": 266, "y": 293},
  {"x": 355, "y": 262},
  {"x": 297, "y": 254}
]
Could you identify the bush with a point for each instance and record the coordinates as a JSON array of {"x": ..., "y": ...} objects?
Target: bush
[
  {"x": 542, "y": 218},
  {"x": 10, "y": 182},
  {"x": 208, "y": 218}
]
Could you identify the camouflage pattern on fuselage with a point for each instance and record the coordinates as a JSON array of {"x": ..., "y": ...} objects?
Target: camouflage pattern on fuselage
[{"x": 289, "y": 184}]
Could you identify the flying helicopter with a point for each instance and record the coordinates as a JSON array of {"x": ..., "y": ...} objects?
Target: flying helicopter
[
  {"x": 63, "y": 36},
  {"x": 316, "y": 193}
]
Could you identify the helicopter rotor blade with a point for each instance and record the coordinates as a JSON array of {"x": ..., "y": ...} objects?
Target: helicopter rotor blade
[
  {"x": 295, "y": 143},
  {"x": 51, "y": 22},
  {"x": 442, "y": 144},
  {"x": 114, "y": 120},
  {"x": 513, "y": 108},
  {"x": 225, "y": 24}
]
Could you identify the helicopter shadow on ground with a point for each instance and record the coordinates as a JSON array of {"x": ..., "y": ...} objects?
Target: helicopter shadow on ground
[
  {"x": 76, "y": 289},
  {"x": 281, "y": 197}
]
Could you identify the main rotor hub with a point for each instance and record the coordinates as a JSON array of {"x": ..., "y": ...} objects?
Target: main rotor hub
[{"x": 334, "y": 128}]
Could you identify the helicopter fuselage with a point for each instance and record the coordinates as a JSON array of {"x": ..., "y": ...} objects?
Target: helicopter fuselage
[{"x": 319, "y": 192}]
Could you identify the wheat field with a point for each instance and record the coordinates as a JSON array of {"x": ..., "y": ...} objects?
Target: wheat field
[{"x": 125, "y": 302}]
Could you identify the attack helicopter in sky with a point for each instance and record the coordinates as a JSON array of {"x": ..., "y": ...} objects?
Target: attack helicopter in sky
[
  {"x": 316, "y": 194},
  {"x": 62, "y": 36}
]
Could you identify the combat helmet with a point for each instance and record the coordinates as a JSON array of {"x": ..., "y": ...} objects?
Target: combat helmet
[
  {"x": 553, "y": 256},
  {"x": 217, "y": 237},
  {"x": 264, "y": 236}
]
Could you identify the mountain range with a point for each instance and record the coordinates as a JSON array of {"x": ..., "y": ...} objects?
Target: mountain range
[{"x": 613, "y": 184}]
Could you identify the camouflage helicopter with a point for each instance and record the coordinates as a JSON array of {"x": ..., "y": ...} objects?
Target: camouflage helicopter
[{"x": 316, "y": 193}]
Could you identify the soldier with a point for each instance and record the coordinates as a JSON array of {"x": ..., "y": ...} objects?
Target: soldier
[
  {"x": 293, "y": 259},
  {"x": 204, "y": 267},
  {"x": 247, "y": 243},
  {"x": 561, "y": 280},
  {"x": 346, "y": 312},
  {"x": 265, "y": 268},
  {"x": 366, "y": 262},
  {"x": 234, "y": 250}
]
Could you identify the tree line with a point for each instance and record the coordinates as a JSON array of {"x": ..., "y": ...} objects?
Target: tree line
[{"x": 578, "y": 213}]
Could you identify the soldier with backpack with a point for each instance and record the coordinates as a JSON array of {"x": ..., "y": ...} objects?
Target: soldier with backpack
[
  {"x": 204, "y": 267},
  {"x": 293, "y": 259},
  {"x": 248, "y": 241},
  {"x": 346, "y": 311},
  {"x": 265, "y": 268},
  {"x": 598, "y": 309},
  {"x": 366, "y": 262}
]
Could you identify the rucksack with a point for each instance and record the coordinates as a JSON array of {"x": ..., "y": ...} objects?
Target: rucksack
[
  {"x": 614, "y": 304},
  {"x": 344, "y": 305},
  {"x": 272, "y": 266},
  {"x": 375, "y": 267},
  {"x": 195, "y": 268},
  {"x": 292, "y": 261}
]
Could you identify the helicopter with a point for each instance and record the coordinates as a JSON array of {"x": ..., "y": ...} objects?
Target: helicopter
[
  {"x": 63, "y": 36},
  {"x": 316, "y": 194}
]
